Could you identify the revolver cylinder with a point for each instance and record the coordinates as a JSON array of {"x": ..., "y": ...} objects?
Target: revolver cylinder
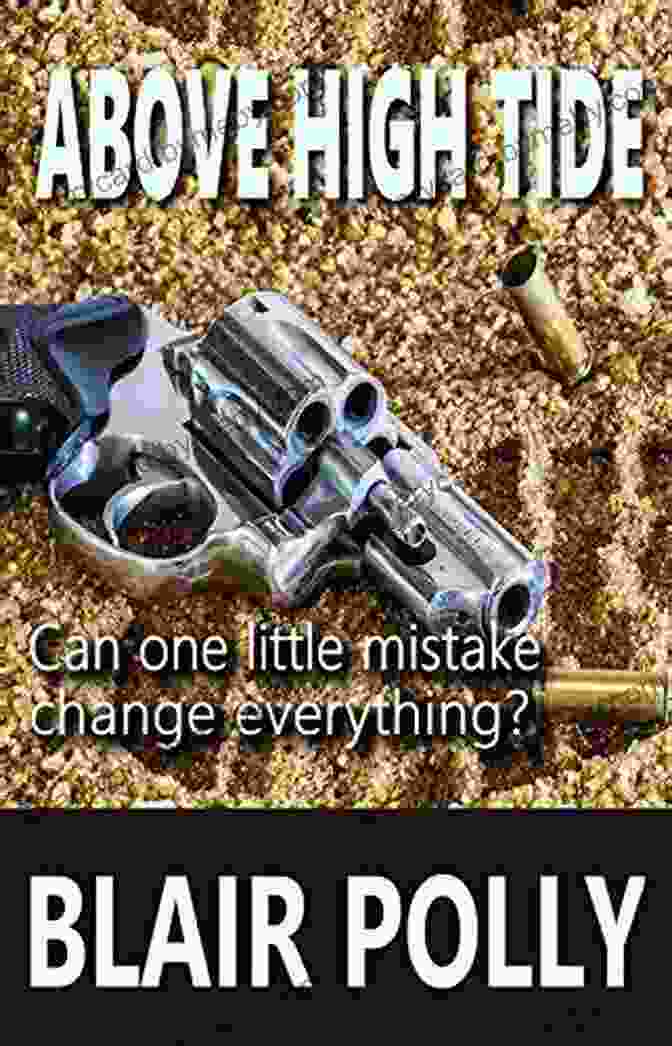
[
  {"x": 244, "y": 433},
  {"x": 293, "y": 341},
  {"x": 295, "y": 401}
]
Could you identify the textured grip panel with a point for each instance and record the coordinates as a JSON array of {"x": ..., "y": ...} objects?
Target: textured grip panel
[
  {"x": 67, "y": 357},
  {"x": 23, "y": 374}
]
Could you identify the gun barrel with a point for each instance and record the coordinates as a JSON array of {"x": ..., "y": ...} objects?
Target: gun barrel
[
  {"x": 560, "y": 346},
  {"x": 479, "y": 578}
]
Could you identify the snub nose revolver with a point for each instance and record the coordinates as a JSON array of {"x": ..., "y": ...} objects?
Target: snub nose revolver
[{"x": 272, "y": 453}]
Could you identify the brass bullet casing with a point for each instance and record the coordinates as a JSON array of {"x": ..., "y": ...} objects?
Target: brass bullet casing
[
  {"x": 630, "y": 696},
  {"x": 559, "y": 344}
]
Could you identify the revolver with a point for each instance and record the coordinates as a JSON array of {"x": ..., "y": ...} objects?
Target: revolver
[{"x": 270, "y": 452}]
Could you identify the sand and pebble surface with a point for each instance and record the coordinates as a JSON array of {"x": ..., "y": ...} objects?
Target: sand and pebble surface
[{"x": 582, "y": 476}]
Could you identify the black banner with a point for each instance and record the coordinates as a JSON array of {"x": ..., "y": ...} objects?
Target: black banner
[{"x": 201, "y": 923}]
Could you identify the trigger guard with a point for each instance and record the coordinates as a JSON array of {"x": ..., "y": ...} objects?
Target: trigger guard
[{"x": 120, "y": 506}]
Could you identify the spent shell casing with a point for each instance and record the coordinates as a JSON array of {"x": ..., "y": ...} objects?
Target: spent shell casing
[
  {"x": 558, "y": 342},
  {"x": 633, "y": 696}
]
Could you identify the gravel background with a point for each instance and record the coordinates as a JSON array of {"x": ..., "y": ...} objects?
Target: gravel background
[{"x": 416, "y": 288}]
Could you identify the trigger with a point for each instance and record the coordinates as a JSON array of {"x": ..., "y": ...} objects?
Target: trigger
[
  {"x": 88, "y": 483},
  {"x": 149, "y": 467},
  {"x": 114, "y": 469}
]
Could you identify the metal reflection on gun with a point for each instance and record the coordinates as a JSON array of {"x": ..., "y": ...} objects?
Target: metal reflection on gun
[{"x": 272, "y": 446}]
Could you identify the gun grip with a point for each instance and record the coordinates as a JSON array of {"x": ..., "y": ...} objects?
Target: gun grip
[{"x": 89, "y": 346}]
